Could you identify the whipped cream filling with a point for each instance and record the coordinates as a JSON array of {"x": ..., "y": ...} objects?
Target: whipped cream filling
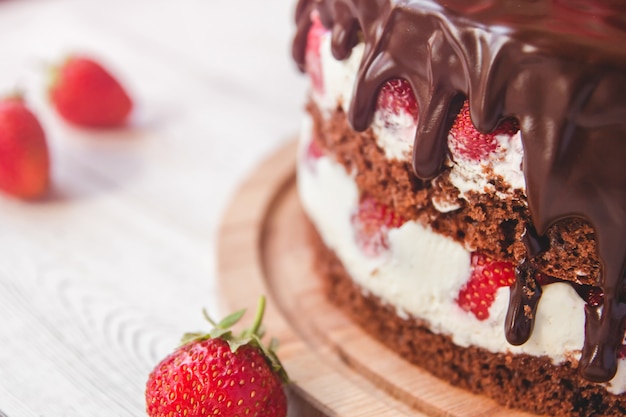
[
  {"x": 506, "y": 161},
  {"x": 422, "y": 273},
  {"x": 338, "y": 77}
]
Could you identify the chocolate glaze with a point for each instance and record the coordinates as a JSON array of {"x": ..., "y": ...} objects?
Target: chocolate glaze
[
  {"x": 524, "y": 299},
  {"x": 558, "y": 67}
]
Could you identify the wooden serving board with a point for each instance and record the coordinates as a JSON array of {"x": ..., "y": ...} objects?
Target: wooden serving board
[{"x": 336, "y": 368}]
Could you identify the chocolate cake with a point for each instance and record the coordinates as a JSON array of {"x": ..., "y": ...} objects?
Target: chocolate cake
[{"x": 462, "y": 165}]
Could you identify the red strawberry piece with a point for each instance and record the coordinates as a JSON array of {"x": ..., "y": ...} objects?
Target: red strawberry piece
[
  {"x": 396, "y": 97},
  {"x": 24, "y": 157},
  {"x": 595, "y": 296},
  {"x": 487, "y": 275},
  {"x": 312, "y": 57},
  {"x": 468, "y": 143},
  {"x": 86, "y": 94},
  {"x": 372, "y": 223},
  {"x": 313, "y": 152},
  {"x": 219, "y": 374}
]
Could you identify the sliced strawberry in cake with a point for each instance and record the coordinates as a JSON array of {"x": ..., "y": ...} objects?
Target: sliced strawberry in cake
[
  {"x": 395, "y": 119},
  {"x": 312, "y": 154},
  {"x": 372, "y": 223},
  {"x": 487, "y": 276},
  {"x": 396, "y": 98},
  {"x": 313, "y": 60},
  {"x": 479, "y": 160},
  {"x": 467, "y": 143}
]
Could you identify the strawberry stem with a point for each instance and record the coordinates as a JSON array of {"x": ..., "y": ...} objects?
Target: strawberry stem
[
  {"x": 259, "y": 316},
  {"x": 208, "y": 318}
]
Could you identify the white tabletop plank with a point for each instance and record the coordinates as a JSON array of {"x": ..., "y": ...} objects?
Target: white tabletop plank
[{"x": 98, "y": 282}]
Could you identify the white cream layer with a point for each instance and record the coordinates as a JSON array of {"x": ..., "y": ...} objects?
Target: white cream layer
[{"x": 423, "y": 271}]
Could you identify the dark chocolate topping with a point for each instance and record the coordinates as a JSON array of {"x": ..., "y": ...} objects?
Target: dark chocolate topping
[
  {"x": 524, "y": 299},
  {"x": 558, "y": 67}
]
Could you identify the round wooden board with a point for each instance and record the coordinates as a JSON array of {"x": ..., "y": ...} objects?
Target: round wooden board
[{"x": 336, "y": 368}]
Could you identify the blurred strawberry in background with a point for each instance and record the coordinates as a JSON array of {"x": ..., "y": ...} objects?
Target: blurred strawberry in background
[
  {"x": 24, "y": 157},
  {"x": 86, "y": 94}
]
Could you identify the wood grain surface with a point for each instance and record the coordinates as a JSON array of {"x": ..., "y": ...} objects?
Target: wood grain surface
[
  {"x": 99, "y": 280},
  {"x": 337, "y": 369}
]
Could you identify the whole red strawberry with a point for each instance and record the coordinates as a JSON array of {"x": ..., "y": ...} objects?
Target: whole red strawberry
[
  {"x": 218, "y": 374},
  {"x": 24, "y": 157},
  {"x": 86, "y": 94}
]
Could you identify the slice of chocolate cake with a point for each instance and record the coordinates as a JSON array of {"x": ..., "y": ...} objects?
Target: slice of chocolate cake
[{"x": 462, "y": 164}]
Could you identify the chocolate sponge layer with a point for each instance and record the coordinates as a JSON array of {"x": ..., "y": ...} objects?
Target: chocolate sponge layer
[
  {"x": 519, "y": 381},
  {"x": 484, "y": 222}
]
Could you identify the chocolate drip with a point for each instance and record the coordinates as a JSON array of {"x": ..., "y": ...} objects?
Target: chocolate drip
[
  {"x": 535, "y": 244},
  {"x": 524, "y": 299},
  {"x": 559, "y": 68},
  {"x": 525, "y": 292}
]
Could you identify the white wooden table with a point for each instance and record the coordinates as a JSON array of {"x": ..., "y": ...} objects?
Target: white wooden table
[{"x": 98, "y": 282}]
